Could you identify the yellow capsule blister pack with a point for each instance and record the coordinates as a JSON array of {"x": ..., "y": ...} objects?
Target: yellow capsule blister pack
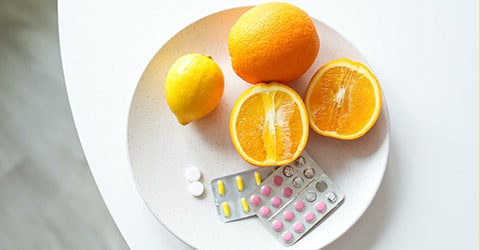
[{"x": 231, "y": 192}]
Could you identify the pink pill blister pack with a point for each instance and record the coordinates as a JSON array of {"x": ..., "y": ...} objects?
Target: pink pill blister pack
[
  {"x": 294, "y": 198},
  {"x": 232, "y": 191}
]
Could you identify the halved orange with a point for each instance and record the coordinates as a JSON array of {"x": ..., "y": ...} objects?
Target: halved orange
[
  {"x": 269, "y": 125},
  {"x": 343, "y": 100}
]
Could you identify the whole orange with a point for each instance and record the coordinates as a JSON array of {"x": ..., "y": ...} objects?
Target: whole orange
[{"x": 273, "y": 42}]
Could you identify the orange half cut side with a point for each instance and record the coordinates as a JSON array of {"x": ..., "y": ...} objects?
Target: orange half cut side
[
  {"x": 343, "y": 100},
  {"x": 269, "y": 125}
]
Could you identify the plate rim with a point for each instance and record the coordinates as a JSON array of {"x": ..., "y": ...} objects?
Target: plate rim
[{"x": 385, "y": 112}]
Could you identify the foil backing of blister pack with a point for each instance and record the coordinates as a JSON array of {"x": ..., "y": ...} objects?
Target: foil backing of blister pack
[
  {"x": 295, "y": 198},
  {"x": 231, "y": 193}
]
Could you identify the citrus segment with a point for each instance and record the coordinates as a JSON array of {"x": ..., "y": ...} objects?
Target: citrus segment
[
  {"x": 269, "y": 125},
  {"x": 273, "y": 42},
  {"x": 343, "y": 99}
]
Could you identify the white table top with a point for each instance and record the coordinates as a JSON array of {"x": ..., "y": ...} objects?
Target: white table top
[{"x": 425, "y": 55}]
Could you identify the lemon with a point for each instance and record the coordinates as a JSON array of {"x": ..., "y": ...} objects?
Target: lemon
[{"x": 193, "y": 87}]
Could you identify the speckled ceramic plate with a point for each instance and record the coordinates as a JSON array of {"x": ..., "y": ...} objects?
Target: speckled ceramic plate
[{"x": 161, "y": 150}]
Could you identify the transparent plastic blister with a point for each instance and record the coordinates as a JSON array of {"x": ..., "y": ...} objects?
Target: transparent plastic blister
[
  {"x": 295, "y": 198},
  {"x": 232, "y": 191}
]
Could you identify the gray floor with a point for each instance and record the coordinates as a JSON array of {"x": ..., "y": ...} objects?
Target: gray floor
[{"x": 48, "y": 199}]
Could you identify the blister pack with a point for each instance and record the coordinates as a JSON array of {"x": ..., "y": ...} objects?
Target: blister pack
[
  {"x": 231, "y": 193},
  {"x": 294, "y": 198}
]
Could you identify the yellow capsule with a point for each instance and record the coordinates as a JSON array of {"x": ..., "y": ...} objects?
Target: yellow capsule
[
  {"x": 239, "y": 183},
  {"x": 220, "y": 188},
  {"x": 258, "y": 178},
  {"x": 226, "y": 209},
  {"x": 245, "y": 206}
]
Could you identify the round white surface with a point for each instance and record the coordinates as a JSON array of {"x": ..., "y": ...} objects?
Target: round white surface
[
  {"x": 161, "y": 150},
  {"x": 193, "y": 174},
  {"x": 196, "y": 188}
]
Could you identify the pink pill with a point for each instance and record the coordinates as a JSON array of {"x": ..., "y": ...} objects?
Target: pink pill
[
  {"x": 287, "y": 236},
  {"x": 255, "y": 200},
  {"x": 321, "y": 207},
  {"x": 278, "y": 180},
  {"x": 287, "y": 192},
  {"x": 264, "y": 211},
  {"x": 309, "y": 217},
  {"x": 298, "y": 227},
  {"x": 276, "y": 201},
  {"x": 288, "y": 215},
  {"x": 277, "y": 225},
  {"x": 266, "y": 190},
  {"x": 299, "y": 206}
]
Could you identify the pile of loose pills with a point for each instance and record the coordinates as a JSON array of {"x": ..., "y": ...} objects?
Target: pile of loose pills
[{"x": 193, "y": 175}]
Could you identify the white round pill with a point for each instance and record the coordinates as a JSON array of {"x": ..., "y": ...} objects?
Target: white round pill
[
  {"x": 196, "y": 188},
  {"x": 193, "y": 174}
]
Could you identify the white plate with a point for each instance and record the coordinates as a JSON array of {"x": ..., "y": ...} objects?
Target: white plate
[{"x": 161, "y": 150}]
